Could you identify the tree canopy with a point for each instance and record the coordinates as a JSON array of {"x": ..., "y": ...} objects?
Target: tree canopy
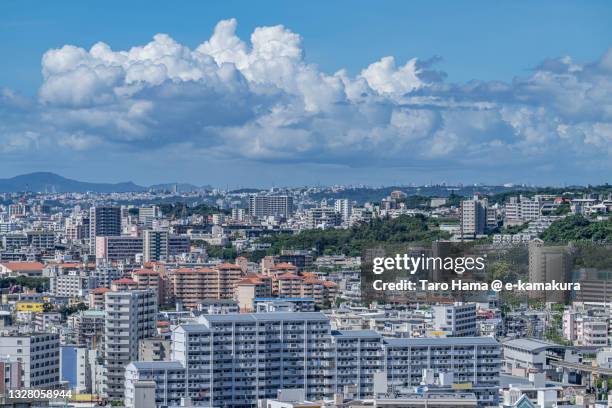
[
  {"x": 353, "y": 240},
  {"x": 577, "y": 228}
]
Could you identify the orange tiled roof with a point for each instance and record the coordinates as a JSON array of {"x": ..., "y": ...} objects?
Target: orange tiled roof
[
  {"x": 250, "y": 281},
  {"x": 145, "y": 272},
  {"x": 228, "y": 266},
  {"x": 284, "y": 265},
  {"x": 288, "y": 276},
  {"x": 70, "y": 265},
  {"x": 205, "y": 270},
  {"x": 124, "y": 280},
  {"x": 100, "y": 290},
  {"x": 24, "y": 266}
]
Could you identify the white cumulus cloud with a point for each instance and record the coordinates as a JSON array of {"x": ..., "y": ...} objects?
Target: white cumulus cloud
[{"x": 261, "y": 100}]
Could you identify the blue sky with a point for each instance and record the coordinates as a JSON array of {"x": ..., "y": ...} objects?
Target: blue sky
[{"x": 514, "y": 50}]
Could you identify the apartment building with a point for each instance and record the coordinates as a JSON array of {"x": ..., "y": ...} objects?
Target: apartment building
[
  {"x": 39, "y": 355},
  {"x": 547, "y": 264},
  {"x": 155, "y": 245},
  {"x": 41, "y": 239},
  {"x": 153, "y": 280},
  {"x": 130, "y": 317},
  {"x": 88, "y": 327},
  {"x": 457, "y": 320},
  {"x": 471, "y": 360},
  {"x": 522, "y": 209},
  {"x": 146, "y": 215},
  {"x": 251, "y": 288},
  {"x": 12, "y": 374},
  {"x": 118, "y": 248},
  {"x": 262, "y": 206},
  {"x": 105, "y": 274},
  {"x": 104, "y": 221},
  {"x": 192, "y": 285},
  {"x": 358, "y": 355},
  {"x": 235, "y": 359},
  {"x": 72, "y": 283},
  {"x": 228, "y": 276},
  {"x": 585, "y": 330},
  {"x": 476, "y": 217},
  {"x": 290, "y": 285},
  {"x": 344, "y": 207},
  {"x": 96, "y": 298},
  {"x": 325, "y": 217}
]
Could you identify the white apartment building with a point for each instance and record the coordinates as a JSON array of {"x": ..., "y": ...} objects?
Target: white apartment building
[
  {"x": 358, "y": 355},
  {"x": 146, "y": 215},
  {"x": 471, "y": 360},
  {"x": 39, "y": 354},
  {"x": 323, "y": 217},
  {"x": 585, "y": 330},
  {"x": 105, "y": 274},
  {"x": 457, "y": 320},
  {"x": 476, "y": 217},
  {"x": 130, "y": 317},
  {"x": 72, "y": 283},
  {"x": 522, "y": 209},
  {"x": 235, "y": 359},
  {"x": 345, "y": 208}
]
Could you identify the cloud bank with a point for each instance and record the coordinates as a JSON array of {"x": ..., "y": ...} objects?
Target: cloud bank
[{"x": 262, "y": 101}]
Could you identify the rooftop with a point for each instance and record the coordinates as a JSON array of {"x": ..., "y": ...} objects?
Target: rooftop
[
  {"x": 443, "y": 341},
  {"x": 531, "y": 344}
]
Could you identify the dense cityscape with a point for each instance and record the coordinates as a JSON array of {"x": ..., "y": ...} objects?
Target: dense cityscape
[
  {"x": 186, "y": 296},
  {"x": 315, "y": 204}
]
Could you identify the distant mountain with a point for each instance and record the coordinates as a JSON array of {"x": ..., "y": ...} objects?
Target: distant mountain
[{"x": 51, "y": 182}]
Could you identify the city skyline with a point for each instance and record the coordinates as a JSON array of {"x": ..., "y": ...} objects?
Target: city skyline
[{"x": 275, "y": 100}]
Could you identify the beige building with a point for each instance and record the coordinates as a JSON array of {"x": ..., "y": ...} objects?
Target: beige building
[{"x": 250, "y": 288}]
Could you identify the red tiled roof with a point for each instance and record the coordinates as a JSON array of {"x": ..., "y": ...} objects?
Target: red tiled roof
[
  {"x": 250, "y": 281},
  {"x": 288, "y": 276},
  {"x": 124, "y": 280},
  {"x": 100, "y": 290},
  {"x": 145, "y": 272},
  {"x": 228, "y": 266},
  {"x": 24, "y": 266},
  {"x": 284, "y": 265}
]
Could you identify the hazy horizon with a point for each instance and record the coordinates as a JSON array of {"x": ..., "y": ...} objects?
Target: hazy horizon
[{"x": 262, "y": 95}]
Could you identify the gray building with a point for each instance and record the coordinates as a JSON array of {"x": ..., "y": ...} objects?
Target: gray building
[
  {"x": 261, "y": 206},
  {"x": 130, "y": 317},
  {"x": 39, "y": 354},
  {"x": 104, "y": 221},
  {"x": 235, "y": 359}
]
